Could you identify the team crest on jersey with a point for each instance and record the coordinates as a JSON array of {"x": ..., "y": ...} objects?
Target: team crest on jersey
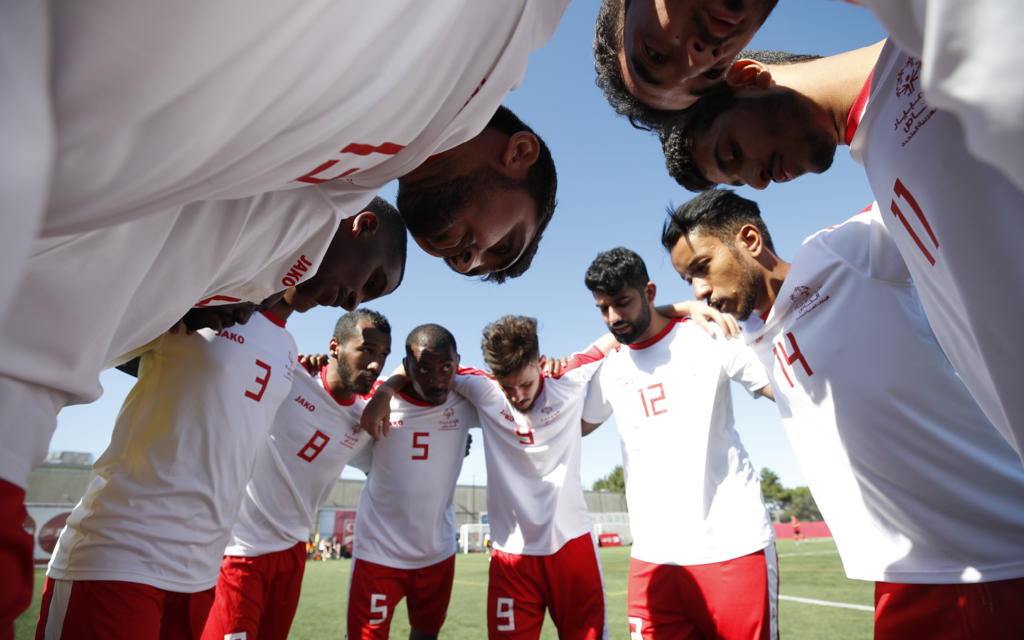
[
  {"x": 908, "y": 92},
  {"x": 807, "y": 300},
  {"x": 546, "y": 410},
  {"x": 449, "y": 412}
]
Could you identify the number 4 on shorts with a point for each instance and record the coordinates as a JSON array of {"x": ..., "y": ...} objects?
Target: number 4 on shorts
[{"x": 634, "y": 634}]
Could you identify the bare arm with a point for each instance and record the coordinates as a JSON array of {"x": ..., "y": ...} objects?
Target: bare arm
[
  {"x": 589, "y": 427},
  {"x": 376, "y": 418},
  {"x": 703, "y": 315},
  {"x": 766, "y": 391}
]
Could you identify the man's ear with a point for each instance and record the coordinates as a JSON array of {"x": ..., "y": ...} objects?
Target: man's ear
[
  {"x": 650, "y": 292},
  {"x": 365, "y": 222},
  {"x": 332, "y": 347},
  {"x": 748, "y": 74},
  {"x": 749, "y": 237},
  {"x": 521, "y": 152}
]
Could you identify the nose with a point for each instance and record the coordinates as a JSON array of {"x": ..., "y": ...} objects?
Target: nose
[
  {"x": 759, "y": 177},
  {"x": 467, "y": 261},
  {"x": 701, "y": 289},
  {"x": 613, "y": 316},
  {"x": 702, "y": 56},
  {"x": 352, "y": 301}
]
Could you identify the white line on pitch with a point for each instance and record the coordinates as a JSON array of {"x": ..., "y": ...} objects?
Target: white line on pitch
[
  {"x": 826, "y": 603},
  {"x": 807, "y": 553}
]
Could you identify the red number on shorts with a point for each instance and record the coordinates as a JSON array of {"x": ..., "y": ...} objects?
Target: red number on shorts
[
  {"x": 505, "y": 611},
  {"x": 261, "y": 381},
  {"x": 643, "y": 400},
  {"x": 315, "y": 445},
  {"x": 525, "y": 432},
  {"x": 783, "y": 357},
  {"x": 416, "y": 444},
  {"x": 901, "y": 192}
]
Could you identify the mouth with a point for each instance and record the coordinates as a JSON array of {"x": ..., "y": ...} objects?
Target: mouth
[
  {"x": 722, "y": 22},
  {"x": 621, "y": 328},
  {"x": 781, "y": 173},
  {"x": 522, "y": 405}
]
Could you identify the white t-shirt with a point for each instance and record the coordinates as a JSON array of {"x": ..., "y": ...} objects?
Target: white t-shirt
[
  {"x": 314, "y": 436},
  {"x": 955, "y": 221},
  {"x": 534, "y": 495},
  {"x": 163, "y": 104},
  {"x": 970, "y": 52},
  {"x": 694, "y": 498},
  {"x": 915, "y": 483},
  {"x": 184, "y": 446},
  {"x": 406, "y": 514}
]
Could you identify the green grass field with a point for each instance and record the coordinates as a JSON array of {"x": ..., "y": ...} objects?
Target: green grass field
[{"x": 807, "y": 571}]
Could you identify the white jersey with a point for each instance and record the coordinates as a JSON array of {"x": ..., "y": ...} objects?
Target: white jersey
[
  {"x": 314, "y": 435},
  {"x": 955, "y": 221},
  {"x": 534, "y": 495},
  {"x": 694, "y": 497},
  {"x": 914, "y": 482},
  {"x": 406, "y": 514},
  {"x": 184, "y": 446},
  {"x": 161, "y": 104},
  {"x": 969, "y": 50}
]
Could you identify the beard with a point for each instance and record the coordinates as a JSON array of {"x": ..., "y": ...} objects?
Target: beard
[
  {"x": 355, "y": 381},
  {"x": 431, "y": 208},
  {"x": 638, "y": 326},
  {"x": 750, "y": 281}
]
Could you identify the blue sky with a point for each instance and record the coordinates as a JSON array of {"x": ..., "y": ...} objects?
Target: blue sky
[{"x": 613, "y": 191}]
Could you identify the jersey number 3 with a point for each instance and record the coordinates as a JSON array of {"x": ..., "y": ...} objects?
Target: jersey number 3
[{"x": 260, "y": 381}]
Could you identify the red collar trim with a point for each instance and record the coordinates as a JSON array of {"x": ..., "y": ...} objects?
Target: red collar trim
[
  {"x": 767, "y": 313},
  {"x": 661, "y": 334},
  {"x": 853, "y": 119},
  {"x": 411, "y": 400},
  {"x": 273, "y": 318},
  {"x": 323, "y": 381}
]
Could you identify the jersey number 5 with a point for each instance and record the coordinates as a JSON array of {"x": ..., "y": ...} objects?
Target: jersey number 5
[
  {"x": 655, "y": 411},
  {"x": 261, "y": 381},
  {"x": 416, "y": 444}
]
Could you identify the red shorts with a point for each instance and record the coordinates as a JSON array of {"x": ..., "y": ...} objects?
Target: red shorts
[
  {"x": 257, "y": 597},
  {"x": 374, "y": 591},
  {"x": 986, "y": 610},
  {"x": 16, "y": 548},
  {"x": 568, "y": 582},
  {"x": 733, "y": 600},
  {"x": 112, "y": 610}
]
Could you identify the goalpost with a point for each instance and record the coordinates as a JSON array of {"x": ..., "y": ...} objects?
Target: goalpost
[{"x": 472, "y": 537}]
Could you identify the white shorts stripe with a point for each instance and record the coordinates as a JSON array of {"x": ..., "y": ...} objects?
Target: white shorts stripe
[
  {"x": 58, "y": 608},
  {"x": 771, "y": 561},
  {"x": 600, "y": 571}
]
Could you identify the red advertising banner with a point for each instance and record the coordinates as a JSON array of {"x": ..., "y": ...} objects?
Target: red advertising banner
[
  {"x": 345, "y": 527},
  {"x": 609, "y": 540}
]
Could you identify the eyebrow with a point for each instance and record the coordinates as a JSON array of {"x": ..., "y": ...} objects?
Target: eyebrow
[{"x": 643, "y": 72}]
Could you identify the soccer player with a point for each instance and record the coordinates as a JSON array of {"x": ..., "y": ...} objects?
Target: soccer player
[
  {"x": 774, "y": 124},
  {"x": 921, "y": 493},
  {"x": 140, "y": 554},
  {"x": 314, "y": 435},
  {"x": 797, "y": 536},
  {"x": 655, "y": 57},
  {"x": 703, "y": 564},
  {"x": 404, "y": 545}
]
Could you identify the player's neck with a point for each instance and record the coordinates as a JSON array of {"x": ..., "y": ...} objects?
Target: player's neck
[
  {"x": 281, "y": 309},
  {"x": 335, "y": 384},
  {"x": 658, "y": 324},
  {"x": 774, "y": 272},
  {"x": 832, "y": 84}
]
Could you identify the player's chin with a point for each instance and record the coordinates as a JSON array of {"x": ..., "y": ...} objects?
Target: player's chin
[{"x": 436, "y": 398}]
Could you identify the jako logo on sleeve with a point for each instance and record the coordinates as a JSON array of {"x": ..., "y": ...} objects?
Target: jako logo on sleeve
[{"x": 296, "y": 272}]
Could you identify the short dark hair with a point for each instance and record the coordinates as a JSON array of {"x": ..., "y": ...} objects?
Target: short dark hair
[
  {"x": 677, "y": 137},
  {"x": 716, "y": 212},
  {"x": 396, "y": 240},
  {"x": 348, "y": 324},
  {"x": 430, "y": 336},
  {"x": 615, "y": 269},
  {"x": 541, "y": 184},
  {"x": 510, "y": 344}
]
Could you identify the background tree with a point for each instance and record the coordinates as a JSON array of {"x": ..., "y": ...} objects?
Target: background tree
[
  {"x": 802, "y": 505},
  {"x": 614, "y": 481},
  {"x": 776, "y": 497}
]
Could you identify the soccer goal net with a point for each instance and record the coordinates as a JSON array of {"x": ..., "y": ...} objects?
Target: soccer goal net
[{"x": 472, "y": 538}]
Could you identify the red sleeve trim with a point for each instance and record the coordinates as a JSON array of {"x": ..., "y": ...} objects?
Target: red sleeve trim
[
  {"x": 577, "y": 360},
  {"x": 411, "y": 400},
  {"x": 323, "y": 381},
  {"x": 661, "y": 334},
  {"x": 225, "y": 299},
  {"x": 273, "y": 318},
  {"x": 470, "y": 371},
  {"x": 853, "y": 119}
]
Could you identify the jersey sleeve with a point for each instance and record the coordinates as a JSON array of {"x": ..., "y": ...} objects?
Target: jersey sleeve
[
  {"x": 582, "y": 367},
  {"x": 596, "y": 408},
  {"x": 477, "y": 387},
  {"x": 363, "y": 459},
  {"x": 742, "y": 364},
  {"x": 865, "y": 244}
]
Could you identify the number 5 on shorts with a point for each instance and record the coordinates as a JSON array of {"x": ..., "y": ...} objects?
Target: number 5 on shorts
[
  {"x": 635, "y": 634},
  {"x": 382, "y": 608},
  {"x": 505, "y": 611}
]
